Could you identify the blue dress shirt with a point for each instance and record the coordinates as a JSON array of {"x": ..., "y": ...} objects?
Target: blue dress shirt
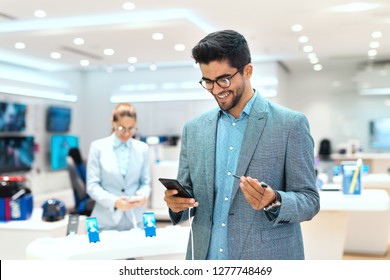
[{"x": 230, "y": 133}]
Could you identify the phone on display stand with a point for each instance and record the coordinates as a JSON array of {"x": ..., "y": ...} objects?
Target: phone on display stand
[
  {"x": 73, "y": 224},
  {"x": 173, "y": 184}
]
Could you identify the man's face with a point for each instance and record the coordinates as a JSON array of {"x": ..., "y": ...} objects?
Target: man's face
[{"x": 227, "y": 97}]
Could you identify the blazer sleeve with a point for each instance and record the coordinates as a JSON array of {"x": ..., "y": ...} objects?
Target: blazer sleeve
[{"x": 300, "y": 198}]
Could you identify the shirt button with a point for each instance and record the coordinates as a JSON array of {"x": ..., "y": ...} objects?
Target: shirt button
[
  {"x": 220, "y": 250},
  {"x": 233, "y": 124},
  {"x": 223, "y": 225},
  {"x": 231, "y": 148},
  {"x": 229, "y": 173},
  {"x": 226, "y": 198}
]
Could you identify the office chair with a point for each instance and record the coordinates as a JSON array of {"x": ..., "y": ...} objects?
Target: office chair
[
  {"x": 325, "y": 149},
  {"x": 77, "y": 174}
]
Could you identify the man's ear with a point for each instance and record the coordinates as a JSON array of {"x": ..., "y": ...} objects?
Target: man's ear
[{"x": 248, "y": 70}]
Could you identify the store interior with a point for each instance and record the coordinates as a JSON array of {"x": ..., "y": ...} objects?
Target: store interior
[{"x": 49, "y": 106}]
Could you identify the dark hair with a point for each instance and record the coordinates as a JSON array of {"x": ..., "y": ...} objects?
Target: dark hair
[{"x": 222, "y": 45}]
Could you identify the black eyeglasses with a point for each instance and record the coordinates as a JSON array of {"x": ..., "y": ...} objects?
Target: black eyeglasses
[
  {"x": 122, "y": 129},
  {"x": 222, "y": 82}
]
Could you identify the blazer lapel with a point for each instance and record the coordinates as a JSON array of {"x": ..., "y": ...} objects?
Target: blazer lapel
[
  {"x": 256, "y": 122},
  {"x": 209, "y": 155}
]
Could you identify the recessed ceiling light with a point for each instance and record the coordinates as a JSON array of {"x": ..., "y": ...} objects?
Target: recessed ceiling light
[
  {"x": 296, "y": 28},
  {"x": 128, "y": 6},
  {"x": 374, "y": 45},
  {"x": 132, "y": 59},
  {"x": 20, "y": 45},
  {"x": 303, "y": 39},
  {"x": 314, "y": 60},
  {"x": 40, "y": 13},
  {"x": 55, "y": 55},
  {"x": 180, "y": 47},
  {"x": 108, "y": 51},
  {"x": 311, "y": 55},
  {"x": 157, "y": 36},
  {"x": 307, "y": 49},
  {"x": 78, "y": 41},
  {"x": 84, "y": 62},
  {"x": 317, "y": 67},
  {"x": 372, "y": 53},
  {"x": 376, "y": 34}
]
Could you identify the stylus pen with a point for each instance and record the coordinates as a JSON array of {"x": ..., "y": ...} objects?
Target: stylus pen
[{"x": 238, "y": 177}]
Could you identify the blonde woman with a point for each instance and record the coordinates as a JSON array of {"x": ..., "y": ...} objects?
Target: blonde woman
[{"x": 118, "y": 173}]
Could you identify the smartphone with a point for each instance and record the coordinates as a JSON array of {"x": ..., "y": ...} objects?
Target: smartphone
[
  {"x": 73, "y": 223},
  {"x": 134, "y": 198},
  {"x": 173, "y": 184}
]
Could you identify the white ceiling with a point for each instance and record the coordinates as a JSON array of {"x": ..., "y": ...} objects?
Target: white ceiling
[{"x": 335, "y": 36}]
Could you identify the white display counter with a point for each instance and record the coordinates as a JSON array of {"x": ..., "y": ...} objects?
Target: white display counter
[
  {"x": 325, "y": 236},
  {"x": 369, "y": 232},
  {"x": 169, "y": 243},
  {"x": 16, "y": 235}
]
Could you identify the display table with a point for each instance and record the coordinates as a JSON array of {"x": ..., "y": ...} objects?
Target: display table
[
  {"x": 369, "y": 232},
  {"x": 169, "y": 243},
  {"x": 370, "y": 181},
  {"x": 15, "y": 235},
  {"x": 325, "y": 236},
  {"x": 378, "y": 162}
]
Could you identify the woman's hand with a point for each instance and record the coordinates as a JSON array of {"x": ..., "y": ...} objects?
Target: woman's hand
[{"x": 124, "y": 203}]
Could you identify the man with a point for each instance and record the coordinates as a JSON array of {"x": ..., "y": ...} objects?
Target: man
[{"x": 248, "y": 164}]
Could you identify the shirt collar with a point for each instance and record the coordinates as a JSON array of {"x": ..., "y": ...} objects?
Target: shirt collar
[
  {"x": 118, "y": 142},
  {"x": 247, "y": 109}
]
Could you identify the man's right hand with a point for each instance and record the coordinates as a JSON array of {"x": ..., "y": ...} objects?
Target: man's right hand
[{"x": 178, "y": 204}]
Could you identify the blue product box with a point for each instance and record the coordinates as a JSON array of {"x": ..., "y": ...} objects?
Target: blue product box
[
  {"x": 16, "y": 210},
  {"x": 92, "y": 229},
  {"x": 149, "y": 224},
  {"x": 352, "y": 182}
]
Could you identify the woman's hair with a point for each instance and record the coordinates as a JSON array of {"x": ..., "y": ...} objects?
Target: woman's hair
[
  {"x": 223, "y": 45},
  {"x": 123, "y": 110}
]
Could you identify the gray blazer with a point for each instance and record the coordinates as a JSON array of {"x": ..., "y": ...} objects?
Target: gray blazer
[{"x": 278, "y": 150}]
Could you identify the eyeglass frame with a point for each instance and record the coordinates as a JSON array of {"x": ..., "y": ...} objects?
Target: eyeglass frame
[
  {"x": 122, "y": 130},
  {"x": 229, "y": 78}
]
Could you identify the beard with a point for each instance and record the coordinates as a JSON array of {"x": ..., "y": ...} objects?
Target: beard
[{"x": 234, "y": 98}]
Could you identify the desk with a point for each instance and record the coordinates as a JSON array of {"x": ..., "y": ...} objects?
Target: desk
[
  {"x": 169, "y": 243},
  {"x": 325, "y": 236},
  {"x": 15, "y": 235}
]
